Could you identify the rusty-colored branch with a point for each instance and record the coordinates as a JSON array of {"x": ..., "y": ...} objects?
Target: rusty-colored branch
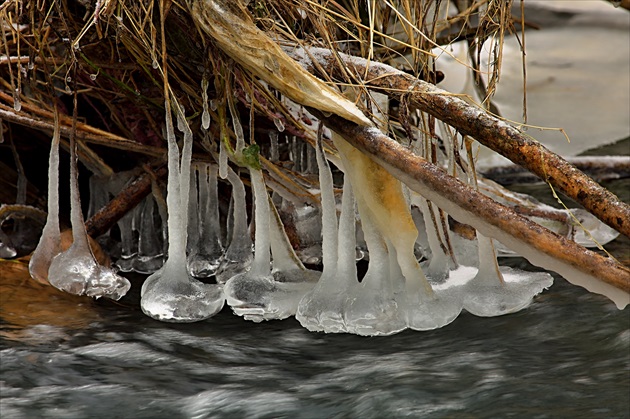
[
  {"x": 539, "y": 245},
  {"x": 483, "y": 127}
]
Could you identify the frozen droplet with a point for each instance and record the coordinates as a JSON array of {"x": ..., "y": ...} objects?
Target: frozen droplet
[
  {"x": 279, "y": 124},
  {"x": 205, "y": 115},
  {"x": 17, "y": 103},
  {"x": 154, "y": 64},
  {"x": 93, "y": 76},
  {"x": 213, "y": 105},
  {"x": 68, "y": 79}
]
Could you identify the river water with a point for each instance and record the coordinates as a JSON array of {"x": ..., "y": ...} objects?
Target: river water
[{"x": 567, "y": 355}]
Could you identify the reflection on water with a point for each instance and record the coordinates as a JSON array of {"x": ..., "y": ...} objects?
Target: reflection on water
[{"x": 568, "y": 355}]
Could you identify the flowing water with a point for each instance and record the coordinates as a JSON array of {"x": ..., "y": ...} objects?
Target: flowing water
[{"x": 567, "y": 355}]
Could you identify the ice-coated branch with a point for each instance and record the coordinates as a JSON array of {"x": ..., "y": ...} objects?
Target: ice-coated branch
[
  {"x": 540, "y": 246},
  {"x": 483, "y": 127}
]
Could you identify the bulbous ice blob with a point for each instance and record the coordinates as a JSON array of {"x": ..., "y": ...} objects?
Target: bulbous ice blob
[
  {"x": 76, "y": 270},
  {"x": 495, "y": 290},
  {"x": 171, "y": 294}
]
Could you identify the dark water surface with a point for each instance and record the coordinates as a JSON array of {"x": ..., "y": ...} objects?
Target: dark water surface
[{"x": 567, "y": 355}]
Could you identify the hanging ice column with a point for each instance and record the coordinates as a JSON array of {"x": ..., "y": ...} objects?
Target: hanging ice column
[
  {"x": 76, "y": 270},
  {"x": 205, "y": 255},
  {"x": 323, "y": 309},
  {"x": 238, "y": 256},
  {"x": 171, "y": 294},
  {"x": 50, "y": 241},
  {"x": 260, "y": 294}
]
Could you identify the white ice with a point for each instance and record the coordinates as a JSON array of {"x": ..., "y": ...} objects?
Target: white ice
[
  {"x": 50, "y": 242},
  {"x": 323, "y": 309},
  {"x": 238, "y": 256},
  {"x": 171, "y": 294}
]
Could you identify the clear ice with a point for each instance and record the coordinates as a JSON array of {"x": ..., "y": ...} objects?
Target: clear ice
[
  {"x": 206, "y": 254},
  {"x": 260, "y": 294},
  {"x": 171, "y": 293},
  {"x": 495, "y": 290},
  {"x": 76, "y": 270}
]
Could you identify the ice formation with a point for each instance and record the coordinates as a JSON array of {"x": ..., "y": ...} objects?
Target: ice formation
[
  {"x": 206, "y": 253},
  {"x": 76, "y": 270},
  {"x": 49, "y": 244},
  {"x": 238, "y": 256},
  {"x": 171, "y": 293},
  {"x": 324, "y": 307},
  {"x": 260, "y": 294}
]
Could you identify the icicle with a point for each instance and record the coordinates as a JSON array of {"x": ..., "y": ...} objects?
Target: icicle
[
  {"x": 279, "y": 124},
  {"x": 193, "y": 211},
  {"x": 76, "y": 270},
  {"x": 323, "y": 308},
  {"x": 206, "y": 256},
  {"x": 49, "y": 243},
  {"x": 238, "y": 256},
  {"x": 150, "y": 255},
  {"x": 257, "y": 295},
  {"x": 243, "y": 291},
  {"x": 495, "y": 290},
  {"x": 223, "y": 161},
  {"x": 439, "y": 264},
  {"x": 205, "y": 115},
  {"x": 238, "y": 127},
  {"x": 273, "y": 141},
  {"x": 17, "y": 103},
  {"x": 171, "y": 294},
  {"x": 128, "y": 244},
  {"x": 381, "y": 204}
]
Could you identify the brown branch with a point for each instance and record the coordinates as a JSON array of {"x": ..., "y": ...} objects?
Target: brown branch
[
  {"x": 122, "y": 203},
  {"x": 487, "y": 129},
  {"x": 539, "y": 245}
]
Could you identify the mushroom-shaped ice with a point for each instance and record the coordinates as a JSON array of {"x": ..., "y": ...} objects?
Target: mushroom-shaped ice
[
  {"x": 171, "y": 294},
  {"x": 259, "y": 294}
]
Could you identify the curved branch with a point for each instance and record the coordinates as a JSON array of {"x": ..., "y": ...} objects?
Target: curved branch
[
  {"x": 483, "y": 127},
  {"x": 537, "y": 244}
]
